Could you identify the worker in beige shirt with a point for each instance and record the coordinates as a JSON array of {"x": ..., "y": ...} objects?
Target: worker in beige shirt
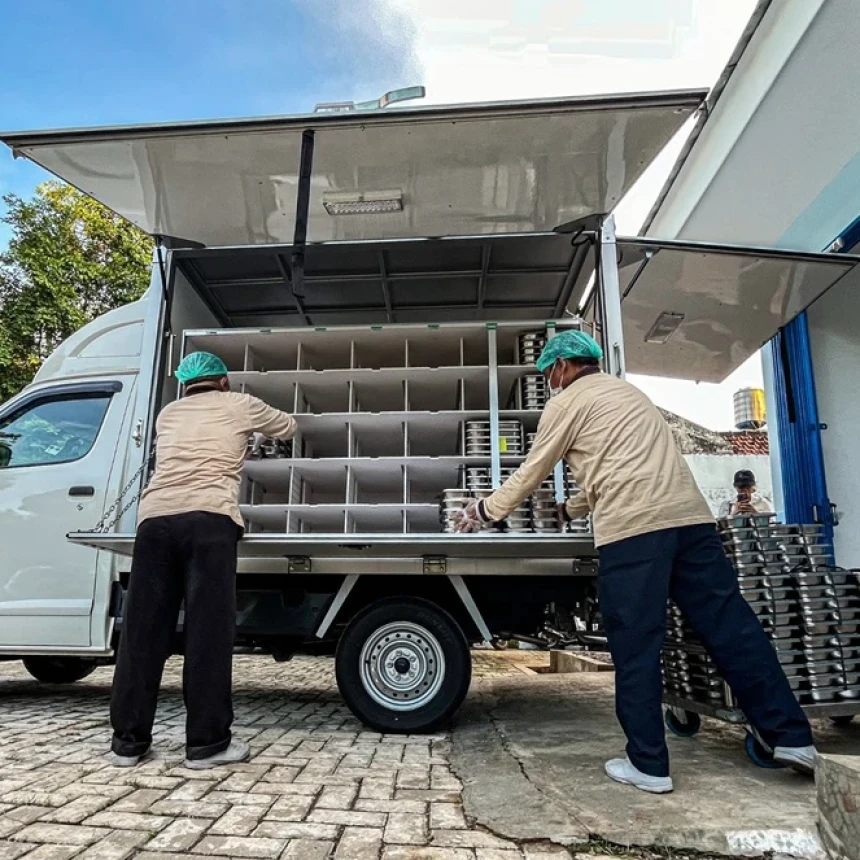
[
  {"x": 189, "y": 526},
  {"x": 657, "y": 539}
]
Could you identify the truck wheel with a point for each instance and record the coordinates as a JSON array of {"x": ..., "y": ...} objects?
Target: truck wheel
[
  {"x": 403, "y": 665},
  {"x": 59, "y": 670}
]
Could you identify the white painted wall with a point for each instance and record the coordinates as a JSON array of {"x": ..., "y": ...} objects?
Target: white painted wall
[
  {"x": 778, "y": 164},
  {"x": 834, "y": 323},
  {"x": 714, "y": 474}
]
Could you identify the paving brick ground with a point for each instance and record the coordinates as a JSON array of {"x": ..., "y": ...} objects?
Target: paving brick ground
[{"x": 319, "y": 786}]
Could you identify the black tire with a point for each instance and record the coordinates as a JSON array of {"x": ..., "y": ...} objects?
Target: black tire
[
  {"x": 686, "y": 727},
  {"x": 395, "y": 630},
  {"x": 759, "y": 755},
  {"x": 59, "y": 670}
]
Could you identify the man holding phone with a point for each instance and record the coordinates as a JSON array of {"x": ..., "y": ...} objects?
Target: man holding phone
[{"x": 747, "y": 499}]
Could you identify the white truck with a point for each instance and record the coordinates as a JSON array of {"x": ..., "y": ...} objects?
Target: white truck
[{"x": 374, "y": 273}]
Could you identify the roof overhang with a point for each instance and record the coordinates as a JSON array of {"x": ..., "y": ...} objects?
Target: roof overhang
[{"x": 776, "y": 160}]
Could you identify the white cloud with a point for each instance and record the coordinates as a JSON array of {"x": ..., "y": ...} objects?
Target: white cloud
[
  {"x": 477, "y": 50},
  {"x": 486, "y": 50}
]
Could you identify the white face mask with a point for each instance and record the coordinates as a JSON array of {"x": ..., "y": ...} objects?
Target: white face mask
[{"x": 557, "y": 389}]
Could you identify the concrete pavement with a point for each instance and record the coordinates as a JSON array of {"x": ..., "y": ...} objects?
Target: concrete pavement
[{"x": 531, "y": 757}]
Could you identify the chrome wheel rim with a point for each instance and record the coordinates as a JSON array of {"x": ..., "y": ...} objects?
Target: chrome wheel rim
[{"x": 402, "y": 666}]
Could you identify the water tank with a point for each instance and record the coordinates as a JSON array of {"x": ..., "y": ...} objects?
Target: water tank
[{"x": 750, "y": 411}]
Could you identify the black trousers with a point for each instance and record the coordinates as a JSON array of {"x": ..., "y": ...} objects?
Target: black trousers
[
  {"x": 190, "y": 557},
  {"x": 636, "y": 577}
]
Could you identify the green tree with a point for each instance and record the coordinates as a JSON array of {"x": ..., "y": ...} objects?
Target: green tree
[{"x": 69, "y": 260}]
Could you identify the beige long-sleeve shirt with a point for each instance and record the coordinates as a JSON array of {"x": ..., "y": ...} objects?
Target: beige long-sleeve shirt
[
  {"x": 623, "y": 456},
  {"x": 201, "y": 441}
]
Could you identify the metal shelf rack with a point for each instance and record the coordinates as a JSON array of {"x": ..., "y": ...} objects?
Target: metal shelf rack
[{"x": 383, "y": 413}]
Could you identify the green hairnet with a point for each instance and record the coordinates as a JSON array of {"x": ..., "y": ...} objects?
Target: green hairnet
[
  {"x": 571, "y": 344},
  {"x": 200, "y": 365}
]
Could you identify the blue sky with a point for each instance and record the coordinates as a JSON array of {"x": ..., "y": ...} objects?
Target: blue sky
[{"x": 96, "y": 62}]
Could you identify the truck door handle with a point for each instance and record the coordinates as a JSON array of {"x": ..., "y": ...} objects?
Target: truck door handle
[{"x": 82, "y": 491}]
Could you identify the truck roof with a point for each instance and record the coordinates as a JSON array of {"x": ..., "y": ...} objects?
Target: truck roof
[{"x": 400, "y": 173}]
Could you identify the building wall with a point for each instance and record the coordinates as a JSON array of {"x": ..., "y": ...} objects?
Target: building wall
[
  {"x": 835, "y": 339},
  {"x": 714, "y": 474}
]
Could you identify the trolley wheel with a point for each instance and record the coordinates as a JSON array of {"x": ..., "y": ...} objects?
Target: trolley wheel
[
  {"x": 842, "y": 721},
  {"x": 684, "y": 724},
  {"x": 759, "y": 755}
]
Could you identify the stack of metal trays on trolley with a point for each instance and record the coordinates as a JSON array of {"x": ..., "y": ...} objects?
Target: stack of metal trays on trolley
[
  {"x": 688, "y": 671},
  {"x": 810, "y": 611}
]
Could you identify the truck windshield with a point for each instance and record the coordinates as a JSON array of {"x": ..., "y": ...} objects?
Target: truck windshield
[{"x": 51, "y": 430}]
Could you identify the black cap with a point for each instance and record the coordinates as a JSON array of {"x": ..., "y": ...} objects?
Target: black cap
[{"x": 744, "y": 478}]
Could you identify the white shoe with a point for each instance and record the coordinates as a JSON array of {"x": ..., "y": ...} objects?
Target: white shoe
[
  {"x": 238, "y": 751},
  {"x": 801, "y": 759},
  {"x": 126, "y": 760},
  {"x": 622, "y": 770}
]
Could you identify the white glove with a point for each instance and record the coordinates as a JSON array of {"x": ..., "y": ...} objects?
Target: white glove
[
  {"x": 257, "y": 440},
  {"x": 468, "y": 520}
]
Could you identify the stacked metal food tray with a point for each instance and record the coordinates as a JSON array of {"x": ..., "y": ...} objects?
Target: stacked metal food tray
[
  {"x": 477, "y": 439},
  {"x": 810, "y": 611},
  {"x": 533, "y": 392},
  {"x": 571, "y": 488},
  {"x": 538, "y": 513},
  {"x": 530, "y": 346},
  {"x": 269, "y": 449},
  {"x": 688, "y": 671},
  {"x": 453, "y": 501}
]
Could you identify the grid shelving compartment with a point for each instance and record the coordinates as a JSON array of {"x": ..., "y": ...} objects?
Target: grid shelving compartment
[{"x": 384, "y": 418}]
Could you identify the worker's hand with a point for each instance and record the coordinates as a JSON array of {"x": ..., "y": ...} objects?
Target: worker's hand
[
  {"x": 257, "y": 440},
  {"x": 744, "y": 508},
  {"x": 468, "y": 520}
]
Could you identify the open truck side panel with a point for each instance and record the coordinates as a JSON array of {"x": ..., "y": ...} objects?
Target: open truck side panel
[
  {"x": 465, "y": 170},
  {"x": 434, "y": 239}
]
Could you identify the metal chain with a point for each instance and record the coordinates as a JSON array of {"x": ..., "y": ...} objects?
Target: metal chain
[{"x": 106, "y": 523}]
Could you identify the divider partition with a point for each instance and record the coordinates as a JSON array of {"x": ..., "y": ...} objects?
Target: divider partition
[{"x": 382, "y": 416}]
